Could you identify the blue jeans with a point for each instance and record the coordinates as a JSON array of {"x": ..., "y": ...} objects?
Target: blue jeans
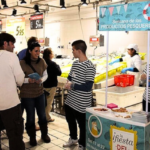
[{"x": 30, "y": 104}]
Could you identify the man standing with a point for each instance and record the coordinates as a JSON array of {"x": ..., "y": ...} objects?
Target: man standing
[
  {"x": 11, "y": 76},
  {"x": 79, "y": 84}
]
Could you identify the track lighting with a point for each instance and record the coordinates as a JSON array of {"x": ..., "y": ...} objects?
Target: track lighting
[
  {"x": 14, "y": 12},
  {"x": 23, "y": 2},
  {"x": 84, "y": 3},
  {"x": 36, "y": 8},
  {"x": 63, "y": 7},
  {"x": 4, "y": 3}
]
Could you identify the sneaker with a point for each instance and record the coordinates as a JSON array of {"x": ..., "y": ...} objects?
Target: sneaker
[
  {"x": 81, "y": 147},
  {"x": 70, "y": 142}
]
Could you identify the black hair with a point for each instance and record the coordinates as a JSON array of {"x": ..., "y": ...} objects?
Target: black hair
[
  {"x": 6, "y": 37},
  {"x": 46, "y": 54},
  {"x": 80, "y": 45},
  {"x": 27, "y": 58},
  {"x": 31, "y": 40}
]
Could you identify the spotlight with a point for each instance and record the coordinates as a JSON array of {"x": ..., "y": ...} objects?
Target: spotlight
[
  {"x": 63, "y": 7},
  {"x": 36, "y": 8},
  {"x": 62, "y": 3},
  {"x": 14, "y": 12},
  {"x": 5, "y": 4},
  {"x": 84, "y": 3},
  {"x": 23, "y": 2}
]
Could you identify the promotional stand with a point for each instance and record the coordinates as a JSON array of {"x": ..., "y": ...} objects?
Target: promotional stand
[{"x": 105, "y": 131}]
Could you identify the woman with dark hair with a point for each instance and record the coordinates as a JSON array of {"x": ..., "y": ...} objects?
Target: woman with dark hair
[
  {"x": 50, "y": 84},
  {"x": 31, "y": 93}
]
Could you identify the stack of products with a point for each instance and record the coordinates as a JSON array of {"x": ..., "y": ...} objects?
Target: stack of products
[{"x": 141, "y": 117}]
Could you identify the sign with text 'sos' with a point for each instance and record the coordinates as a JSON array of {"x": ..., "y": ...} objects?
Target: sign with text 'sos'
[
  {"x": 36, "y": 21},
  {"x": 16, "y": 27},
  {"x": 125, "y": 17}
]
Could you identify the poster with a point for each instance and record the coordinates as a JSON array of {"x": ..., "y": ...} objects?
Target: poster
[
  {"x": 36, "y": 22},
  {"x": 125, "y": 17},
  {"x": 16, "y": 27}
]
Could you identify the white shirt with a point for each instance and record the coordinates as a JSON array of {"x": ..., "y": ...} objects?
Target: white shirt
[
  {"x": 11, "y": 76},
  {"x": 134, "y": 61}
]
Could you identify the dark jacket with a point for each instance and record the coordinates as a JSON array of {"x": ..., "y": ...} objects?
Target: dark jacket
[{"x": 53, "y": 71}]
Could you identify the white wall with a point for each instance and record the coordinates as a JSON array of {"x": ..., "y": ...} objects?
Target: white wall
[{"x": 64, "y": 27}]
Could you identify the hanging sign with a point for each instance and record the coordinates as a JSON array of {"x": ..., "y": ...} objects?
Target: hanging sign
[
  {"x": 36, "y": 21},
  {"x": 125, "y": 17},
  {"x": 0, "y": 25},
  {"x": 16, "y": 26}
]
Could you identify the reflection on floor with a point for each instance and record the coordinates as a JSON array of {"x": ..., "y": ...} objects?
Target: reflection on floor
[{"x": 58, "y": 131}]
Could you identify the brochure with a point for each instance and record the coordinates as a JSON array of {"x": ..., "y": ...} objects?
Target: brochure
[{"x": 35, "y": 76}]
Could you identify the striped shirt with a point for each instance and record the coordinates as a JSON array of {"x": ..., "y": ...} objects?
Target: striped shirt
[
  {"x": 81, "y": 72},
  {"x": 144, "y": 95}
]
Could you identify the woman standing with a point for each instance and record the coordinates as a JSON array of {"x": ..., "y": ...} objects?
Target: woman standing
[
  {"x": 31, "y": 93},
  {"x": 51, "y": 83}
]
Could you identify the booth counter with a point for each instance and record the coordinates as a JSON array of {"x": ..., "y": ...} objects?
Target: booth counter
[{"x": 104, "y": 131}]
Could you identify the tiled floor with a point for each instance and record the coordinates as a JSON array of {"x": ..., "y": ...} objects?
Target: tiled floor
[{"x": 58, "y": 132}]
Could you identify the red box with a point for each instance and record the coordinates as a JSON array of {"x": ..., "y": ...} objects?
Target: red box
[
  {"x": 112, "y": 105},
  {"x": 124, "y": 80}
]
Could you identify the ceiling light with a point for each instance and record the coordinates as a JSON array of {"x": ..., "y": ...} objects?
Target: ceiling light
[
  {"x": 23, "y": 2},
  {"x": 63, "y": 7},
  {"x": 36, "y": 8},
  {"x": 5, "y": 4},
  {"x": 84, "y": 3},
  {"x": 62, "y": 3},
  {"x": 14, "y": 12}
]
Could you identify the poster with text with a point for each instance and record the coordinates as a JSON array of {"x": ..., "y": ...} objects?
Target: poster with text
[
  {"x": 36, "y": 22},
  {"x": 125, "y": 17},
  {"x": 16, "y": 26}
]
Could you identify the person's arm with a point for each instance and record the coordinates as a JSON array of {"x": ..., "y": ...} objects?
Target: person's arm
[
  {"x": 45, "y": 76},
  {"x": 57, "y": 69},
  {"x": 87, "y": 86},
  {"x": 17, "y": 70},
  {"x": 138, "y": 65}
]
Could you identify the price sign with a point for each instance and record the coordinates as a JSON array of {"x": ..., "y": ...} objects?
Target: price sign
[
  {"x": 0, "y": 25},
  {"x": 16, "y": 27},
  {"x": 36, "y": 22}
]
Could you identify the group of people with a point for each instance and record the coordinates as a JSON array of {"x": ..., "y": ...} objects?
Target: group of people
[
  {"x": 79, "y": 84},
  {"x": 15, "y": 73}
]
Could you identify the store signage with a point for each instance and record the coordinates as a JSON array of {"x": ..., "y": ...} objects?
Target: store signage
[
  {"x": 0, "y": 25},
  {"x": 16, "y": 26},
  {"x": 122, "y": 139},
  {"x": 125, "y": 17},
  {"x": 36, "y": 21}
]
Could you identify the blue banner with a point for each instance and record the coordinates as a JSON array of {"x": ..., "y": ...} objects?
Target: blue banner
[{"x": 125, "y": 17}]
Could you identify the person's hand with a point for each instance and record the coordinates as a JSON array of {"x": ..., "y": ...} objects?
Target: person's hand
[
  {"x": 38, "y": 81},
  {"x": 68, "y": 85},
  {"x": 127, "y": 69},
  {"x": 143, "y": 76},
  {"x": 31, "y": 80}
]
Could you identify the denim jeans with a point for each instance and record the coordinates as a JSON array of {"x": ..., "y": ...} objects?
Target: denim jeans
[{"x": 30, "y": 104}]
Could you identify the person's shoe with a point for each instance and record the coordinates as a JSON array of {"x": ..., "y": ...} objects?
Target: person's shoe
[
  {"x": 51, "y": 120},
  {"x": 70, "y": 142},
  {"x": 46, "y": 138},
  {"x": 33, "y": 141},
  {"x": 81, "y": 147}
]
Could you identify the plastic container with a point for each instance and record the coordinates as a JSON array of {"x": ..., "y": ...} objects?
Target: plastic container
[
  {"x": 112, "y": 105},
  {"x": 122, "y": 96},
  {"x": 124, "y": 80}
]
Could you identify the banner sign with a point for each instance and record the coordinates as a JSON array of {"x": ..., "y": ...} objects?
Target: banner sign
[
  {"x": 105, "y": 134},
  {"x": 0, "y": 25},
  {"x": 36, "y": 22},
  {"x": 16, "y": 26},
  {"x": 125, "y": 17}
]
